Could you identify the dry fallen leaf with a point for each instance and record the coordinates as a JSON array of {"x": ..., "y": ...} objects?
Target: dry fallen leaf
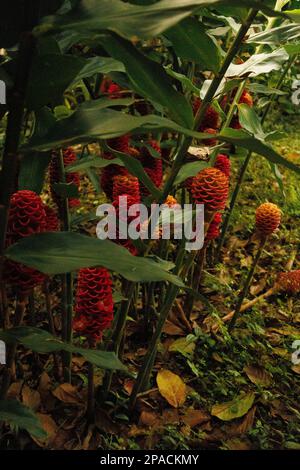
[
  {"x": 258, "y": 375},
  {"x": 31, "y": 397},
  {"x": 50, "y": 426},
  {"x": 171, "y": 387},
  {"x": 235, "y": 408},
  {"x": 67, "y": 393},
  {"x": 193, "y": 417}
]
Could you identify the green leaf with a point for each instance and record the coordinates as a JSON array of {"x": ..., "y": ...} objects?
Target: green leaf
[
  {"x": 249, "y": 120},
  {"x": 47, "y": 70},
  {"x": 92, "y": 162},
  {"x": 89, "y": 123},
  {"x": 185, "y": 81},
  {"x": 16, "y": 414},
  {"x": 56, "y": 253},
  {"x": 185, "y": 346},
  {"x": 265, "y": 90},
  {"x": 293, "y": 15},
  {"x": 42, "y": 342},
  {"x": 143, "y": 74},
  {"x": 191, "y": 42},
  {"x": 279, "y": 36},
  {"x": 135, "y": 167},
  {"x": 258, "y": 64},
  {"x": 132, "y": 21},
  {"x": 190, "y": 169},
  {"x": 33, "y": 171},
  {"x": 235, "y": 408},
  {"x": 243, "y": 139}
]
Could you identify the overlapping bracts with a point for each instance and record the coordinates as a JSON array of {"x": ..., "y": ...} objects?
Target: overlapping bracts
[
  {"x": 223, "y": 164},
  {"x": 210, "y": 187},
  {"x": 26, "y": 217},
  {"x": 52, "y": 220},
  {"x": 289, "y": 282},
  {"x": 213, "y": 231},
  {"x": 94, "y": 303},
  {"x": 268, "y": 218}
]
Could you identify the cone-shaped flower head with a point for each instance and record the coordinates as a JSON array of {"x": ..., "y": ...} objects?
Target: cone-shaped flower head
[
  {"x": 246, "y": 98},
  {"x": 289, "y": 281},
  {"x": 210, "y": 187},
  {"x": 26, "y": 217},
  {"x": 213, "y": 231},
  {"x": 211, "y": 119},
  {"x": 94, "y": 303},
  {"x": 223, "y": 164},
  {"x": 126, "y": 184},
  {"x": 268, "y": 218},
  {"x": 52, "y": 220},
  {"x": 152, "y": 165}
]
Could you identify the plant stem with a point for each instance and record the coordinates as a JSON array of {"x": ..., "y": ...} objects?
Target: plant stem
[
  {"x": 247, "y": 283},
  {"x": 12, "y": 138},
  {"x": 186, "y": 141},
  {"x": 244, "y": 167},
  {"x": 91, "y": 391},
  {"x": 12, "y": 348},
  {"x": 67, "y": 279}
]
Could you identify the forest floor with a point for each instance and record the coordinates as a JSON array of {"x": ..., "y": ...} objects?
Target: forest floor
[{"x": 252, "y": 368}]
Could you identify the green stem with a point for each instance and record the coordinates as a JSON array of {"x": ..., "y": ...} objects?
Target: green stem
[
  {"x": 245, "y": 164},
  {"x": 12, "y": 348},
  {"x": 247, "y": 284},
  {"x": 67, "y": 279},
  {"x": 10, "y": 158},
  {"x": 186, "y": 141}
]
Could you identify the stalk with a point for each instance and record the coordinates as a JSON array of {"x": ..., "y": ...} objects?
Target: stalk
[
  {"x": 186, "y": 141},
  {"x": 245, "y": 306},
  {"x": 91, "y": 392},
  {"x": 67, "y": 281},
  {"x": 247, "y": 283},
  {"x": 12, "y": 139},
  {"x": 173, "y": 290},
  {"x": 270, "y": 24},
  {"x": 12, "y": 348}
]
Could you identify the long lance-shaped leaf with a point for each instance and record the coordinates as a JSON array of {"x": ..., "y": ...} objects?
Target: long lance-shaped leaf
[
  {"x": 143, "y": 74},
  {"x": 16, "y": 414},
  {"x": 41, "y": 341},
  {"x": 88, "y": 124},
  {"x": 280, "y": 35},
  {"x": 57, "y": 253},
  {"x": 131, "y": 21}
]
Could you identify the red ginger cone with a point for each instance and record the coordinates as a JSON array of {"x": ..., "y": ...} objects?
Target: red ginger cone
[
  {"x": 246, "y": 98},
  {"x": 268, "y": 218},
  {"x": 211, "y": 119},
  {"x": 69, "y": 158},
  {"x": 121, "y": 144},
  {"x": 223, "y": 164},
  {"x": 94, "y": 303},
  {"x": 26, "y": 217},
  {"x": 289, "y": 281},
  {"x": 118, "y": 203},
  {"x": 52, "y": 220},
  {"x": 210, "y": 142},
  {"x": 213, "y": 231},
  {"x": 210, "y": 187},
  {"x": 127, "y": 185}
]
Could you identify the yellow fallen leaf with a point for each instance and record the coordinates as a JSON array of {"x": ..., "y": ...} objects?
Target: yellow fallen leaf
[
  {"x": 171, "y": 387},
  {"x": 235, "y": 408}
]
